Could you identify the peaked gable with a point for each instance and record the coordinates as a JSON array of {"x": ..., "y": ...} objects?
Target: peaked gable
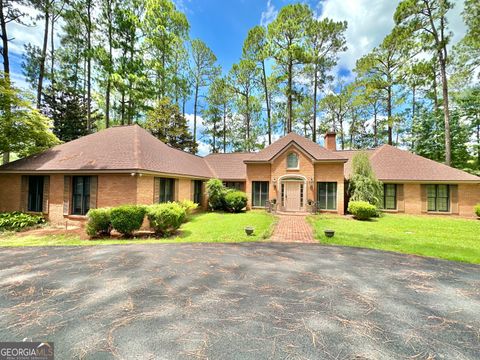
[{"x": 315, "y": 151}]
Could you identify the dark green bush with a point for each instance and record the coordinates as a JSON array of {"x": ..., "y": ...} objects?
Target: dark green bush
[
  {"x": 362, "y": 210},
  {"x": 166, "y": 218},
  {"x": 477, "y": 210},
  {"x": 235, "y": 201},
  {"x": 16, "y": 221},
  {"x": 99, "y": 222},
  {"x": 216, "y": 194},
  {"x": 127, "y": 218}
]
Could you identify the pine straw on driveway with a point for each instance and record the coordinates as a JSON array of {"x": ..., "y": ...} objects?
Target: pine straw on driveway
[{"x": 232, "y": 301}]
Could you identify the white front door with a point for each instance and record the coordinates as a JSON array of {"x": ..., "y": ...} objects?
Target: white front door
[{"x": 293, "y": 195}]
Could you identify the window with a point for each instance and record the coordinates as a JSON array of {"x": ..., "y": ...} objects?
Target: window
[
  {"x": 283, "y": 194},
  {"x": 197, "y": 191},
  {"x": 292, "y": 161},
  {"x": 35, "y": 193},
  {"x": 259, "y": 193},
  {"x": 167, "y": 190},
  {"x": 236, "y": 185},
  {"x": 80, "y": 195},
  {"x": 390, "y": 196},
  {"x": 327, "y": 195},
  {"x": 438, "y": 198}
]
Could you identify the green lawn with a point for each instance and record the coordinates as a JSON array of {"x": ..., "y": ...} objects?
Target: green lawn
[
  {"x": 447, "y": 238},
  {"x": 203, "y": 227}
]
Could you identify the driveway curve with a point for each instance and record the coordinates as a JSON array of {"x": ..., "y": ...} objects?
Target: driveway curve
[{"x": 239, "y": 301}]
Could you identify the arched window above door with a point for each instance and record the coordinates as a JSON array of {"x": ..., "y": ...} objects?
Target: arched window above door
[{"x": 292, "y": 161}]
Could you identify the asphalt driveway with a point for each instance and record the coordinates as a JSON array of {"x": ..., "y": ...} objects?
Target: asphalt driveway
[{"x": 242, "y": 301}]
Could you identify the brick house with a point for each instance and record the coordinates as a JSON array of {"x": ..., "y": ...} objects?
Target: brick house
[{"x": 127, "y": 165}]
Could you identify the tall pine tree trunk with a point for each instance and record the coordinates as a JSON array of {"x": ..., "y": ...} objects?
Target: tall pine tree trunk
[
  {"x": 6, "y": 67},
  {"x": 89, "y": 65},
  {"x": 52, "y": 52},
  {"x": 315, "y": 83},
  {"x": 389, "y": 115},
  {"x": 224, "y": 128},
  {"x": 267, "y": 103},
  {"x": 290, "y": 97},
  {"x": 446, "y": 112},
  {"x": 195, "y": 105},
  {"x": 247, "y": 117},
  {"x": 43, "y": 56},
  {"x": 110, "y": 65}
]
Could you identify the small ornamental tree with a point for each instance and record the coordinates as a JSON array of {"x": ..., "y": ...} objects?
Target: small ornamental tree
[{"x": 364, "y": 185}]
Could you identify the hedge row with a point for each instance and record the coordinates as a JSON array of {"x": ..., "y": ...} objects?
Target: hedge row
[{"x": 164, "y": 219}]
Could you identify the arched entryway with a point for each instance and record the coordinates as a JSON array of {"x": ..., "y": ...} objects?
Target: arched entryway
[{"x": 293, "y": 189}]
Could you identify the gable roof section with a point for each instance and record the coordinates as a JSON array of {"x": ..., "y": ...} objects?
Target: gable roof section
[
  {"x": 316, "y": 152},
  {"x": 229, "y": 166},
  {"x": 393, "y": 164},
  {"x": 123, "y": 148}
]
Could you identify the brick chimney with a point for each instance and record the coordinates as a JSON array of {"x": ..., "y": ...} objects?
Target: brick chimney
[{"x": 330, "y": 140}]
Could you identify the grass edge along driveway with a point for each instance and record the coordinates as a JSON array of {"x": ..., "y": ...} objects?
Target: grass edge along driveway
[
  {"x": 442, "y": 237},
  {"x": 202, "y": 227}
]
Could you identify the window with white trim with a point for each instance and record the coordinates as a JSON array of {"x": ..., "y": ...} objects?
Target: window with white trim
[{"x": 292, "y": 161}]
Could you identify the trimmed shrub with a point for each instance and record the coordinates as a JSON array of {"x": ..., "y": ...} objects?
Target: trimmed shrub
[
  {"x": 127, "y": 218},
  {"x": 216, "y": 194},
  {"x": 477, "y": 210},
  {"x": 16, "y": 221},
  {"x": 362, "y": 210},
  {"x": 99, "y": 222},
  {"x": 188, "y": 205},
  {"x": 235, "y": 201},
  {"x": 166, "y": 218}
]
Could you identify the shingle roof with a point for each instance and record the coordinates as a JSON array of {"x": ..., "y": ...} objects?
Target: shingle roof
[
  {"x": 393, "y": 164},
  {"x": 316, "y": 151},
  {"x": 115, "y": 149},
  {"x": 229, "y": 166}
]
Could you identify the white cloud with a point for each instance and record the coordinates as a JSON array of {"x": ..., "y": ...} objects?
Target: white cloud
[
  {"x": 369, "y": 21},
  {"x": 203, "y": 148},
  {"x": 269, "y": 14}
]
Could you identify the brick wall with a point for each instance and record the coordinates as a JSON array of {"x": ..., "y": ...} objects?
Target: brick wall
[
  {"x": 279, "y": 168},
  {"x": 258, "y": 172},
  {"x": 10, "y": 185},
  {"x": 331, "y": 172},
  {"x": 468, "y": 197},
  {"x": 307, "y": 169},
  {"x": 145, "y": 190},
  {"x": 185, "y": 188},
  {"x": 412, "y": 195}
]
